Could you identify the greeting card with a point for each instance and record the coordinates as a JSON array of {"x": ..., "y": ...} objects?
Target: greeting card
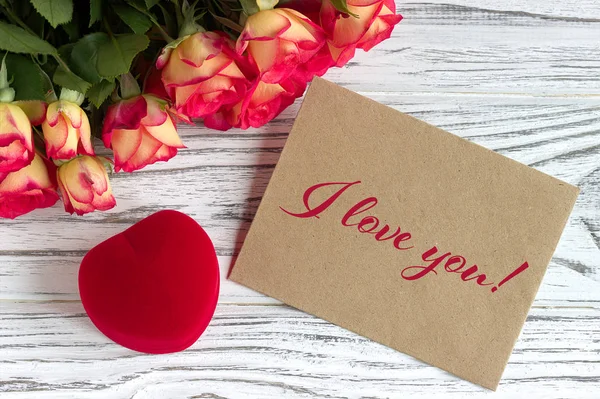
[{"x": 404, "y": 233}]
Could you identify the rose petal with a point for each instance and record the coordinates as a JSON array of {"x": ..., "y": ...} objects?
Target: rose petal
[
  {"x": 65, "y": 195},
  {"x": 14, "y": 157},
  {"x": 265, "y": 53},
  {"x": 264, "y": 25},
  {"x": 163, "y": 58},
  {"x": 77, "y": 183},
  {"x": 35, "y": 110},
  {"x": 164, "y": 153},
  {"x": 232, "y": 71},
  {"x": 56, "y": 136},
  {"x": 380, "y": 30},
  {"x": 198, "y": 48},
  {"x": 52, "y": 113},
  {"x": 156, "y": 112},
  {"x": 85, "y": 133},
  {"x": 166, "y": 134},
  {"x": 143, "y": 157},
  {"x": 95, "y": 170},
  {"x": 350, "y": 30},
  {"x": 14, "y": 125},
  {"x": 33, "y": 176},
  {"x": 84, "y": 185},
  {"x": 178, "y": 73},
  {"x": 125, "y": 143},
  {"x": 72, "y": 112},
  {"x": 217, "y": 121},
  {"x": 105, "y": 202},
  {"x": 126, "y": 114},
  {"x": 301, "y": 28},
  {"x": 16, "y": 205}
]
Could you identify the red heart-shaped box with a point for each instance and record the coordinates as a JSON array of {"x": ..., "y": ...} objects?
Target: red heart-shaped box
[{"x": 154, "y": 287}]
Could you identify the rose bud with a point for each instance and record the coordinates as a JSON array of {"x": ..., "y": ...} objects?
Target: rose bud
[
  {"x": 16, "y": 117},
  {"x": 29, "y": 188},
  {"x": 263, "y": 102},
  {"x": 84, "y": 185},
  {"x": 200, "y": 74},
  {"x": 16, "y": 139},
  {"x": 278, "y": 41},
  {"x": 372, "y": 22},
  {"x": 140, "y": 131},
  {"x": 66, "y": 130}
]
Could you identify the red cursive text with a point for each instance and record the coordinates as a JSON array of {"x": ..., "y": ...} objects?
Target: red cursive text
[{"x": 359, "y": 216}]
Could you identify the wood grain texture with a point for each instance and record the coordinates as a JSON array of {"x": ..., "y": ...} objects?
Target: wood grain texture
[
  {"x": 253, "y": 351},
  {"x": 520, "y": 78}
]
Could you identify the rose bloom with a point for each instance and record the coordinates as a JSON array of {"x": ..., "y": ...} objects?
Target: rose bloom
[
  {"x": 345, "y": 33},
  {"x": 84, "y": 185},
  {"x": 66, "y": 131},
  {"x": 29, "y": 188},
  {"x": 279, "y": 41},
  {"x": 140, "y": 131},
  {"x": 263, "y": 102},
  {"x": 16, "y": 140},
  {"x": 200, "y": 74}
]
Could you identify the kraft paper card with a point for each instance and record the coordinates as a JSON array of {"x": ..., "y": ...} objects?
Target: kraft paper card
[{"x": 404, "y": 233}]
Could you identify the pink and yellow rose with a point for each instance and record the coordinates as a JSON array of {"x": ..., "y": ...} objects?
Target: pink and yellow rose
[
  {"x": 279, "y": 41},
  {"x": 84, "y": 185},
  {"x": 31, "y": 187},
  {"x": 263, "y": 102},
  {"x": 16, "y": 139},
  {"x": 345, "y": 33},
  {"x": 66, "y": 131},
  {"x": 201, "y": 75},
  {"x": 140, "y": 131}
]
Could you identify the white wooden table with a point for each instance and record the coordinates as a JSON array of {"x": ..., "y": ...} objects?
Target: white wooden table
[{"x": 519, "y": 77}]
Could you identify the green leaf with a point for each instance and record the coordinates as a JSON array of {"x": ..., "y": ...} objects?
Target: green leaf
[
  {"x": 115, "y": 56},
  {"x": 47, "y": 85},
  {"x": 170, "y": 21},
  {"x": 84, "y": 56},
  {"x": 17, "y": 40},
  {"x": 228, "y": 23},
  {"x": 100, "y": 91},
  {"x": 33, "y": 20},
  {"x": 151, "y": 3},
  {"x": 72, "y": 30},
  {"x": 65, "y": 51},
  {"x": 342, "y": 6},
  {"x": 26, "y": 77},
  {"x": 250, "y": 7},
  {"x": 68, "y": 79},
  {"x": 95, "y": 11},
  {"x": 136, "y": 20},
  {"x": 55, "y": 11}
]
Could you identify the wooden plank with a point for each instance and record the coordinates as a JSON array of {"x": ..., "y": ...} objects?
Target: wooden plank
[
  {"x": 55, "y": 278},
  {"x": 53, "y": 351},
  {"x": 543, "y": 10}
]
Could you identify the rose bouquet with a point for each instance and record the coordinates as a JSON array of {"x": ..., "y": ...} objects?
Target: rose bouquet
[{"x": 126, "y": 72}]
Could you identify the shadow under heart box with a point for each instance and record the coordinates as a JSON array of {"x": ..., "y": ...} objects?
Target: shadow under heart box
[{"x": 404, "y": 233}]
